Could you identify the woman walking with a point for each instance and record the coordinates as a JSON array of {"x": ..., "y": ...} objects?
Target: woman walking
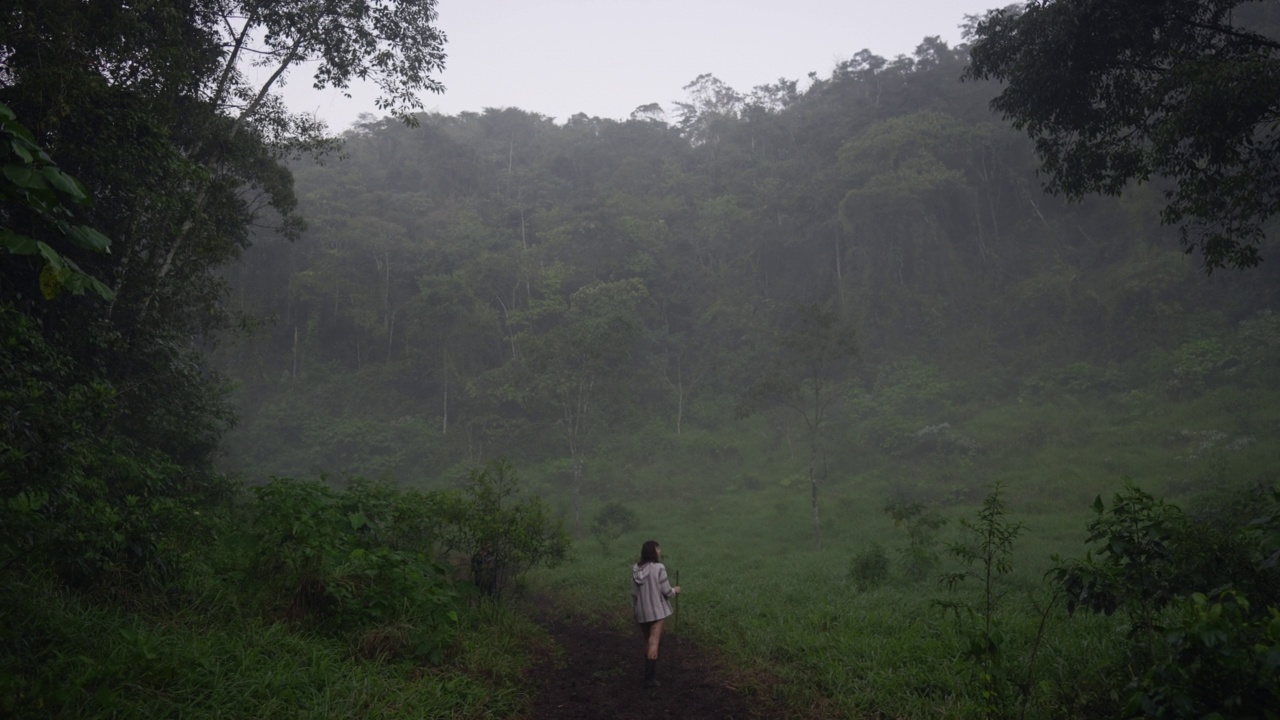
[{"x": 650, "y": 591}]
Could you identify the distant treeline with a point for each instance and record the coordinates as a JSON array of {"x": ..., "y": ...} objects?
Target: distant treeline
[{"x": 463, "y": 283}]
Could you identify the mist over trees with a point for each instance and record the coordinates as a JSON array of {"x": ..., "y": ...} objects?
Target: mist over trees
[{"x": 497, "y": 283}]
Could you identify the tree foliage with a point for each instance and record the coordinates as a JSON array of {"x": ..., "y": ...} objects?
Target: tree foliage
[
  {"x": 490, "y": 517},
  {"x": 434, "y": 289},
  {"x": 395, "y": 43},
  {"x": 152, "y": 108},
  {"x": 610, "y": 523},
  {"x": 32, "y": 182},
  {"x": 1182, "y": 92},
  {"x": 1203, "y": 600}
]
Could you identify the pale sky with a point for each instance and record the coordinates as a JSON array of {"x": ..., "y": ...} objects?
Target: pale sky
[{"x": 607, "y": 57}]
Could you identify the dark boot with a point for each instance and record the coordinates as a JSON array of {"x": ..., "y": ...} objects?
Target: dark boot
[{"x": 650, "y": 673}]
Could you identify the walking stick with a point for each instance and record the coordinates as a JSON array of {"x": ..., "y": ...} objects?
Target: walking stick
[{"x": 675, "y": 624}]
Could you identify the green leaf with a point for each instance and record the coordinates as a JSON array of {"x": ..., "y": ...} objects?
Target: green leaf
[
  {"x": 99, "y": 288},
  {"x": 51, "y": 256},
  {"x": 17, "y": 244},
  {"x": 63, "y": 183},
  {"x": 86, "y": 237},
  {"x": 20, "y": 149},
  {"x": 27, "y": 502},
  {"x": 25, "y": 177}
]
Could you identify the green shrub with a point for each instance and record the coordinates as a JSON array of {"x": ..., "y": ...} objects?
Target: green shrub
[
  {"x": 504, "y": 535},
  {"x": 1203, "y": 603},
  {"x": 985, "y": 553},
  {"x": 610, "y": 523},
  {"x": 869, "y": 569},
  {"x": 1221, "y": 658},
  {"x": 1199, "y": 363},
  {"x": 78, "y": 495},
  {"x": 920, "y": 557},
  {"x": 339, "y": 560}
]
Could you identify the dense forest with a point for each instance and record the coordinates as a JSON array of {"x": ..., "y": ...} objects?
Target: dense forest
[
  {"x": 496, "y": 284},
  {"x": 268, "y": 393}
]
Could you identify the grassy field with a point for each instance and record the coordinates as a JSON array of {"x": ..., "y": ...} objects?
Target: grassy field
[
  {"x": 790, "y": 617},
  {"x": 793, "y": 620}
]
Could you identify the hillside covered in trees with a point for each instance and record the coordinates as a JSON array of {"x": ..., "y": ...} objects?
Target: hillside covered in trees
[{"x": 498, "y": 284}]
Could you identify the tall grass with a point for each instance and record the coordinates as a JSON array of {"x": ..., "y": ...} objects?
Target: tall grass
[
  {"x": 97, "y": 660},
  {"x": 782, "y": 611},
  {"x": 796, "y": 627}
]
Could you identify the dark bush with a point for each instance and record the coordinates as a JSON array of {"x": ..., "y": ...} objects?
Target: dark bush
[
  {"x": 869, "y": 569},
  {"x": 610, "y": 523}
]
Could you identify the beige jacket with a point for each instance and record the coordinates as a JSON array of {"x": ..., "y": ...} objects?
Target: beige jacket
[{"x": 649, "y": 592}]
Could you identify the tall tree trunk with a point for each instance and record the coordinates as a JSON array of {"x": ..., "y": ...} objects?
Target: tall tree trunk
[
  {"x": 575, "y": 417},
  {"x": 679, "y": 393},
  {"x": 813, "y": 493},
  {"x": 839, "y": 275},
  {"x": 577, "y": 496},
  {"x": 679, "y": 410},
  {"x": 391, "y": 333},
  {"x": 247, "y": 112}
]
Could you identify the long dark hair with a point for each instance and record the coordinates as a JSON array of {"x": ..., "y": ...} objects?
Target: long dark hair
[{"x": 648, "y": 552}]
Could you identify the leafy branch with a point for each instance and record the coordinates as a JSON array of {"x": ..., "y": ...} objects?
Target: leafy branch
[{"x": 32, "y": 181}]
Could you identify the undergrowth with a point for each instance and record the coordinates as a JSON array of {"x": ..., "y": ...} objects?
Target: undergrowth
[
  {"x": 96, "y": 660},
  {"x": 302, "y": 601}
]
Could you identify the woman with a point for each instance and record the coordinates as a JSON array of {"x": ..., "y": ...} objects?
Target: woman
[{"x": 650, "y": 591}]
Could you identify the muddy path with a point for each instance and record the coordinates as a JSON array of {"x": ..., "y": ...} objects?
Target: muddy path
[{"x": 596, "y": 671}]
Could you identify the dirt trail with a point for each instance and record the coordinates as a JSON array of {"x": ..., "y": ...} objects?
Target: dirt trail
[{"x": 598, "y": 673}]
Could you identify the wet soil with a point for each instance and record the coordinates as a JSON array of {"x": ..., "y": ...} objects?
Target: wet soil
[{"x": 595, "y": 670}]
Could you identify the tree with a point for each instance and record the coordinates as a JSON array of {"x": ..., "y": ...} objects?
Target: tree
[
  {"x": 686, "y": 361},
  {"x": 1116, "y": 91},
  {"x": 392, "y": 42},
  {"x": 569, "y": 368},
  {"x": 504, "y": 533},
  {"x": 152, "y": 105},
  {"x": 903, "y": 175},
  {"x": 813, "y": 356},
  {"x": 711, "y": 103}
]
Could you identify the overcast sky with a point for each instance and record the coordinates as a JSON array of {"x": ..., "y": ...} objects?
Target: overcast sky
[{"x": 607, "y": 57}]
